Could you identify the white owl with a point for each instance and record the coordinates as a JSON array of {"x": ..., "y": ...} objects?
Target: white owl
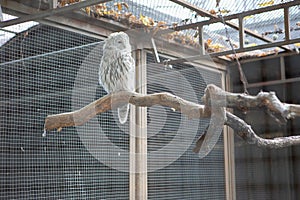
[{"x": 117, "y": 68}]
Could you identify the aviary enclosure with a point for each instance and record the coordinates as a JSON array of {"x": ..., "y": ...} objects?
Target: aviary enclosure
[{"x": 214, "y": 113}]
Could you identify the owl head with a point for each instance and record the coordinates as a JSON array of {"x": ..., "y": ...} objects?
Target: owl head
[{"x": 118, "y": 41}]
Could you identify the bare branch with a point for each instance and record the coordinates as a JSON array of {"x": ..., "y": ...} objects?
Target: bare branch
[
  {"x": 221, "y": 99},
  {"x": 80, "y": 117},
  {"x": 245, "y": 132},
  {"x": 244, "y": 102}
]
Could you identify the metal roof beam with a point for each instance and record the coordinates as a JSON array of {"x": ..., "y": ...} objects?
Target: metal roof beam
[
  {"x": 203, "y": 12},
  {"x": 192, "y": 7},
  {"x": 240, "y": 50},
  {"x": 73, "y": 21},
  {"x": 47, "y": 13},
  {"x": 215, "y": 18}
]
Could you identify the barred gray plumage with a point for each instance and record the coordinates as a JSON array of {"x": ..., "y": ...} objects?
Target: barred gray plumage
[{"x": 117, "y": 68}]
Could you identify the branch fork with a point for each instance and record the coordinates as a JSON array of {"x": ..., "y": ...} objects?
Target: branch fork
[{"x": 214, "y": 99}]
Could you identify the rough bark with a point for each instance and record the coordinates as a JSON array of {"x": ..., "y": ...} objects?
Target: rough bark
[{"x": 221, "y": 99}]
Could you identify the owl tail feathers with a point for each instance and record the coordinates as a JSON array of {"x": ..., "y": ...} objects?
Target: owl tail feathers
[{"x": 123, "y": 113}]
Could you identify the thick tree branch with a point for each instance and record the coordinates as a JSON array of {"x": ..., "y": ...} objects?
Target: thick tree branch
[
  {"x": 263, "y": 100},
  {"x": 245, "y": 132},
  {"x": 81, "y": 116},
  {"x": 221, "y": 98}
]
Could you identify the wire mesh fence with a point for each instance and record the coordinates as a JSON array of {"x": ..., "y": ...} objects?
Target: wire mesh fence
[
  {"x": 46, "y": 70},
  {"x": 187, "y": 177},
  {"x": 38, "y": 70}
]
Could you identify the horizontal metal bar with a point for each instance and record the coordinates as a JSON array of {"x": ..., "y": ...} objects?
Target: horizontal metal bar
[
  {"x": 8, "y": 31},
  {"x": 108, "y": 24},
  {"x": 215, "y": 17},
  {"x": 51, "y": 53},
  {"x": 252, "y": 33},
  {"x": 73, "y": 21},
  {"x": 275, "y": 82},
  {"x": 243, "y": 14},
  {"x": 47, "y": 13},
  {"x": 190, "y": 6},
  {"x": 271, "y": 56},
  {"x": 223, "y": 53}
]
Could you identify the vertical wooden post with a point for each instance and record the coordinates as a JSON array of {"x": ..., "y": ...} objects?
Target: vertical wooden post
[
  {"x": 283, "y": 75},
  {"x": 138, "y": 139},
  {"x": 201, "y": 40},
  {"x": 229, "y": 162},
  {"x": 282, "y": 68},
  {"x": 241, "y": 32},
  {"x": 132, "y": 161}
]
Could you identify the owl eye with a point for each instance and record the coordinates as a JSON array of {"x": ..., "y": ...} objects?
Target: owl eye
[{"x": 119, "y": 41}]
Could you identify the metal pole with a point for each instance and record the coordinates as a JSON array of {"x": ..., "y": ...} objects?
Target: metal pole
[
  {"x": 287, "y": 24},
  {"x": 201, "y": 40},
  {"x": 241, "y": 32},
  {"x": 223, "y": 53}
]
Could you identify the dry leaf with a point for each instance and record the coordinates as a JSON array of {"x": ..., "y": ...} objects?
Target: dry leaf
[
  {"x": 128, "y": 14},
  {"x": 132, "y": 19},
  {"x": 262, "y": 54},
  {"x": 213, "y": 12},
  {"x": 209, "y": 41},
  {"x": 101, "y": 6},
  {"x": 224, "y": 11},
  {"x": 268, "y": 3},
  {"x": 147, "y": 21},
  {"x": 125, "y": 5},
  {"x": 88, "y": 10},
  {"x": 162, "y": 24},
  {"x": 119, "y": 6},
  {"x": 248, "y": 17},
  {"x": 251, "y": 45},
  {"x": 174, "y": 25},
  {"x": 216, "y": 47}
]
